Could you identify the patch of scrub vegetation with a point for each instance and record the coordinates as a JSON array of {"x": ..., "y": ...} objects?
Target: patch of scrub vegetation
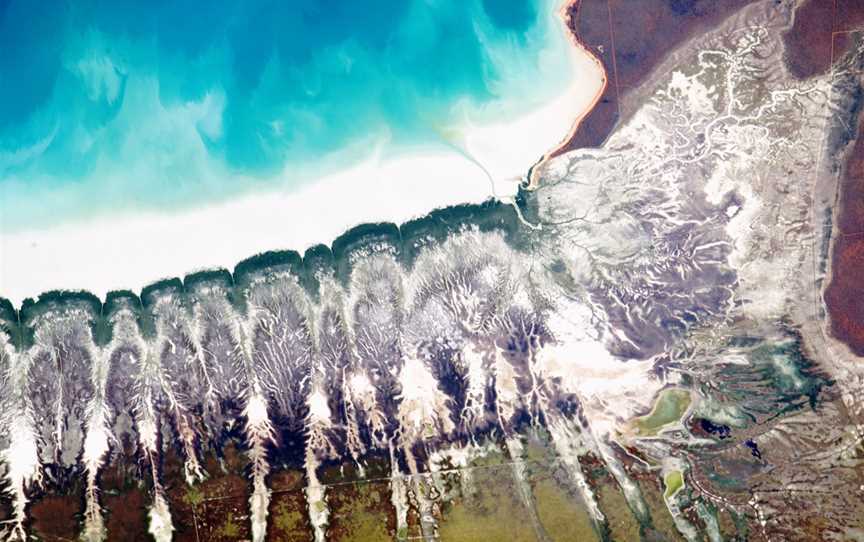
[
  {"x": 493, "y": 511},
  {"x": 795, "y": 377},
  {"x": 231, "y": 529},
  {"x": 562, "y": 513},
  {"x": 661, "y": 519},
  {"x": 223, "y": 520},
  {"x": 219, "y": 504},
  {"x": 674, "y": 481},
  {"x": 668, "y": 409},
  {"x": 538, "y": 447},
  {"x": 361, "y": 512},
  {"x": 778, "y": 379},
  {"x": 289, "y": 520},
  {"x": 285, "y": 518},
  {"x": 183, "y": 501},
  {"x": 729, "y": 414},
  {"x": 492, "y": 459},
  {"x": 620, "y": 520},
  {"x": 193, "y": 496},
  {"x": 732, "y": 525}
]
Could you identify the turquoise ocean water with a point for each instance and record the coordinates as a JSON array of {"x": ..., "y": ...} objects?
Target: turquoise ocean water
[{"x": 111, "y": 107}]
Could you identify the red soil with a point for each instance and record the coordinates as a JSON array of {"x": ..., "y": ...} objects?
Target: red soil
[
  {"x": 844, "y": 296},
  {"x": 54, "y": 517},
  {"x": 127, "y": 516},
  {"x": 808, "y": 43},
  {"x": 631, "y": 38},
  {"x": 631, "y": 41},
  {"x": 818, "y": 35},
  {"x": 816, "y": 40}
]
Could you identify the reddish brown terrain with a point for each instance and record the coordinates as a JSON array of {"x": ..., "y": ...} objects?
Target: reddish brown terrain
[
  {"x": 123, "y": 499},
  {"x": 54, "y": 517},
  {"x": 820, "y": 36},
  {"x": 845, "y": 294},
  {"x": 631, "y": 38}
]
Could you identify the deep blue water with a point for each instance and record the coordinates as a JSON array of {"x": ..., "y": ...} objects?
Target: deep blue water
[{"x": 118, "y": 105}]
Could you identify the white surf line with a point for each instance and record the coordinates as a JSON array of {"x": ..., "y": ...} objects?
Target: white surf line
[
  {"x": 510, "y": 199},
  {"x": 96, "y": 254},
  {"x": 578, "y": 48},
  {"x": 465, "y": 153}
]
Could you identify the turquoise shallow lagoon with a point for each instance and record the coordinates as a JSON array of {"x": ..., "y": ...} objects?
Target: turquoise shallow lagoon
[{"x": 113, "y": 107}]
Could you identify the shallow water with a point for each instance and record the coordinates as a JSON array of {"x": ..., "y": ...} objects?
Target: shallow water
[{"x": 117, "y": 108}]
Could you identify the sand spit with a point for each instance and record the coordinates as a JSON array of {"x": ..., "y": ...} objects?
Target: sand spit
[{"x": 585, "y": 52}]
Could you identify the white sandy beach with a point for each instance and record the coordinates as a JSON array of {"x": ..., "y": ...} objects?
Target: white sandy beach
[{"x": 129, "y": 252}]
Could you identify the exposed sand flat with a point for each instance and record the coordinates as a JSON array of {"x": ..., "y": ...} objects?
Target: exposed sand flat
[
  {"x": 586, "y": 108},
  {"x": 128, "y": 252}
]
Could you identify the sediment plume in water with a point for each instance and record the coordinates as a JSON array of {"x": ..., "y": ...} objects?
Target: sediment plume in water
[{"x": 614, "y": 327}]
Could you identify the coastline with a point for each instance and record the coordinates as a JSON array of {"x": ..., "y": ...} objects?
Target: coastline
[
  {"x": 564, "y": 13},
  {"x": 483, "y": 162},
  {"x": 616, "y": 35}
]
